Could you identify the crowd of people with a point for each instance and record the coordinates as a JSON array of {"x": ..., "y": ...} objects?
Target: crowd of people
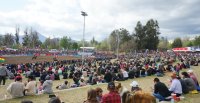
[
  {"x": 104, "y": 70},
  {"x": 38, "y": 51},
  {"x": 179, "y": 85}
]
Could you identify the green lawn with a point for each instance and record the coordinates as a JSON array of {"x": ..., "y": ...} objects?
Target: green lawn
[{"x": 78, "y": 95}]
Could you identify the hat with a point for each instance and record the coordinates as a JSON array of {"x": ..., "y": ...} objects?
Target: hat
[
  {"x": 82, "y": 77},
  {"x": 18, "y": 78},
  {"x": 111, "y": 85},
  {"x": 190, "y": 71},
  {"x": 134, "y": 84}
]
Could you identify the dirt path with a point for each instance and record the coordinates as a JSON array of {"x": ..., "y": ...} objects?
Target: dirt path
[{"x": 28, "y": 59}]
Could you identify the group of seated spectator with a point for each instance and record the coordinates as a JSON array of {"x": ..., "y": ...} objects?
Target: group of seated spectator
[
  {"x": 119, "y": 94},
  {"x": 93, "y": 71},
  {"x": 179, "y": 85}
]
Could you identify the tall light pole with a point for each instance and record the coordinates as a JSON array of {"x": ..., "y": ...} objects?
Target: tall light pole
[{"x": 84, "y": 14}]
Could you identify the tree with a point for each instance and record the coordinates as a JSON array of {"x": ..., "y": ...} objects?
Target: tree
[
  {"x": 65, "y": 42},
  {"x": 54, "y": 43},
  {"x": 128, "y": 46},
  {"x": 197, "y": 41},
  {"x": 123, "y": 38},
  {"x": 46, "y": 43},
  {"x": 34, "y": 38},
  {"x": 147, "y": 36},
  {"x": 163, "y": 43},
  {"x": 31, "y": 38},
  {"x": 189, "y": 44},
  {"x": 17, "y": 35},
  {"x": 93, "y": 42},
  {"x": 177, "y": 43},
  {"x": 152, "y": 33},
  {"x": 139, "y": 36},
  {"x": 80, "y": 43},
  {"x": 26, "y": 39},
  {"x": 1, "y": 40},
  {"x": 124, "y": 35},
  {"x": 113, "y": 40},
  {"x": 186, "y": 41},
  {"x": 75, "y": 45},
  {"x": 8, "y": 40},
  {"x": 103, "y": 45}
]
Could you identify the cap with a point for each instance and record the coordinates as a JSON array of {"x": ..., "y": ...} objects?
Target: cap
[
  {"x": 18, "y": 78},
  {"x": 111, "y": 85},
  {"x": 82, "y": 77},
  {"x": 190, "y": 71},
  {"x": 134, "y": 84}
]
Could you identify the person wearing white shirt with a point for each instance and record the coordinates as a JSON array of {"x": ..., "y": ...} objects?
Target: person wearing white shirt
[
  {"x": 175, "y": 86},
  {"x": 31, "y": 86},
  {"x": 125, "y": 74},
  {"x": 16, "y": 89}
]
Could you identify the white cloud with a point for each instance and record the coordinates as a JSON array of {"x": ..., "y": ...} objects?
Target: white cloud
[{"x": 63, "y": 17}]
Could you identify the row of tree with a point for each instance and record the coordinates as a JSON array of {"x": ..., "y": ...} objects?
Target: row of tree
[
  {"x": 186, "y": 42},
  {"x": 143, "y": 37}
]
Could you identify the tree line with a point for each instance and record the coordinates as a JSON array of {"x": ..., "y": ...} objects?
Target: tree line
[
  {"x": 142, "y": 37},
  {"x": 186, "y": 42}
]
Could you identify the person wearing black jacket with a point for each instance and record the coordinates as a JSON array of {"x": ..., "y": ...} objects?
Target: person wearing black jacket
[
  {"x": 160, "y": 90},
  {"x": 108, "y": 77}
]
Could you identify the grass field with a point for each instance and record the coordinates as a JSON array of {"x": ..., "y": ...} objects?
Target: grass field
[{"x": 78, "y": 95}]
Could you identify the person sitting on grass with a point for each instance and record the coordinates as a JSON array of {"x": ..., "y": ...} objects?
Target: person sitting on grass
[
  {"x": 135, "y": 86},
  {"x": 43, "y": 75},
  {"x": 16, "y": 89},
  {"x": 125, "y": 74},
  {"x": 160, "y": 90},
  {"x": 99, "y": 94},
  {"x": 123, "y": 91},
  {"x": 17, "y": 76},
  {"x": 65, "y": 74},
  {"x": 47, "y": 86},
  {"x": 82, "y": 82},
  {"x": 91, "y": 96},
  {"x": 55, "y": 100},
  {"x": 57, "y": 77},
  {"x": 40, "y": 87},
  {"x": 184, "y": 86},
  {"x": 108, "y": 76},
  {"x": 193, "y": 76},
  {"x": 63, "y": 86},
  {"x": 175, "y": 86},
  {"x": 31, "y": 86},
  {"x": 190, "y": 84},
  {"x": 112, "y": 96}
]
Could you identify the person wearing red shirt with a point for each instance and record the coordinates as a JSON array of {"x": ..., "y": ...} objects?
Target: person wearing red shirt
[{"x": 112, "y": 96}]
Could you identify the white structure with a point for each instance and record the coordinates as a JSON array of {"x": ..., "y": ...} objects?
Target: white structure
[{"x": 86, "y": 51}]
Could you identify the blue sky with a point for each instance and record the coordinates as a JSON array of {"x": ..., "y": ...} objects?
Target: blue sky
[
  {"x": 11, "y": 5},
  {"x": 57, "y": 18}
]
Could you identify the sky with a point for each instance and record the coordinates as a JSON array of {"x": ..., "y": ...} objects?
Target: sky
[{"x": 58, "y": 18}]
